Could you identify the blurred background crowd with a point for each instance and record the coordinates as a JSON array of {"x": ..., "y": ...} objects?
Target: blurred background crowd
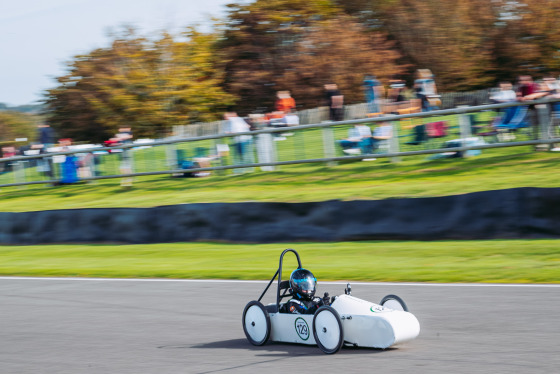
[{"x": 268, "y": 59}]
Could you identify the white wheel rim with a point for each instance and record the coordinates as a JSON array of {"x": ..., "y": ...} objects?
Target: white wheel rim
[
  {"x": 255, "y": 323},
  {"x": 327, "y": 329},
  {"x": 393, "y": 304}
]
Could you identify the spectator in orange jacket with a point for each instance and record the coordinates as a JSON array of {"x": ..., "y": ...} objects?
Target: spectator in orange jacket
[{"x": 284, "y": 102}]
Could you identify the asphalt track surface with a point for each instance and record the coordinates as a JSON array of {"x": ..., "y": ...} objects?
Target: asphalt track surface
[{"x": 129, "y": 326}]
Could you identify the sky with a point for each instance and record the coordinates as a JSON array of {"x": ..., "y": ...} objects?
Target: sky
[{"x": 37, "y": 37}]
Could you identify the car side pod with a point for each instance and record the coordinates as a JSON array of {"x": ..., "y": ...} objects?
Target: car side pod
[
  {"x": 256, "y": 323},
  {"x": 367, "y": 324}
]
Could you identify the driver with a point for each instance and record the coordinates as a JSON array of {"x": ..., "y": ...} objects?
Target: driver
[{"x": 302, "y": 283}]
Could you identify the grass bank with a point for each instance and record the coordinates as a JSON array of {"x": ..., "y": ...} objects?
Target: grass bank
[
  {"x": 379, "y": 179},
  {"x": 491, "y": 261}
]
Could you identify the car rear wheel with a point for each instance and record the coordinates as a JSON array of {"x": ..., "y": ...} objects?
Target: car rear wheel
[
  {"x": 394, "y": 302},
  {"x": 327, "y": 330},
  {"x": 256, "y": 323}
]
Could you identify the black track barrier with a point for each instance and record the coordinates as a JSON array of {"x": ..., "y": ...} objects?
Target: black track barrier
[{"x": 519, "y": 213}]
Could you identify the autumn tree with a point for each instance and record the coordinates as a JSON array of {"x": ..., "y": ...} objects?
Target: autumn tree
[
  {"x": 299, "y": 45},
  {"x": 468, "y": 43},
  {"x": 259, "y": 43},
  {"x": 17, "y": 125},
  {"x": 450, "y": 37},
  {"x": 340, "y": 51},
  {"x": 70, "y": 106},
  {"x": 148, "y": 85},
  {"x": 527, "y": 38}
]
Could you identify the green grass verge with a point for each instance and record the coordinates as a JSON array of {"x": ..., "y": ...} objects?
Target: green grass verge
[
  {"x": 491, "y": 261},
  {"x": 380, "y": 179},
  {"x": 511, "y": 261},
  {"x": 415, "y": 176}
]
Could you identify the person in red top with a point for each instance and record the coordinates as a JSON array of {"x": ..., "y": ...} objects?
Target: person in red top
[
  {"x": 8, "y": 151},
  {"x": 528, "y": 90}
]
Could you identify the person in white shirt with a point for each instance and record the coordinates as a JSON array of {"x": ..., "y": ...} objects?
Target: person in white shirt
[
  {"x": 359, "y": 140},
  {"x": 505, "y": 94},
  {"x": 362, "y": 140},
  {"x": 242, "y": 144},
  {"x": 383, "y": 131}
]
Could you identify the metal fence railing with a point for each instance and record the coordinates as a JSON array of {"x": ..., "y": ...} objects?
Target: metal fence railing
[
  {"x": 456, "y": 132},
  {"x": 353, "y": 111}
]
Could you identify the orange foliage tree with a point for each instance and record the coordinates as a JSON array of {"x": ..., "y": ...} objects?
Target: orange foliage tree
[
  {"x": 469, "y": 44},
  {"x": 340, "y": 51},
  {"x": 299, "y": 45},
  {"x": 528, "y": 37},
  {"x": 147, "y": 85}
]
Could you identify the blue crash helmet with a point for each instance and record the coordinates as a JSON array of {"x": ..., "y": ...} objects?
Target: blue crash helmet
[{"x": 303, "y": 282}]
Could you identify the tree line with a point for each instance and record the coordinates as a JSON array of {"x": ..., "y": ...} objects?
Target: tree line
[
  {"x": 14, "y": 125},
  {"x": 259, "y": 48}
]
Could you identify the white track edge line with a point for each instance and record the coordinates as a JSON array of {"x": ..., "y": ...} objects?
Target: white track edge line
[{"x": 415, "y": 284}]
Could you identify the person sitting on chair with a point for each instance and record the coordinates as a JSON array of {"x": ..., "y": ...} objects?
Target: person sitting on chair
[
  {"x": 359, "y": 140},
  {"x": 303, "y": 301},
  {"x": 383, "y": 131}
]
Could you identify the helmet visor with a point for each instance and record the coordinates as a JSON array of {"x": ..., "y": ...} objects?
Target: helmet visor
[{"x": 306, "y": 284}]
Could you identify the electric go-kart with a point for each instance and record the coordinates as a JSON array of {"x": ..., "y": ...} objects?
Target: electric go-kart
[{"x": 348, "y": 320}]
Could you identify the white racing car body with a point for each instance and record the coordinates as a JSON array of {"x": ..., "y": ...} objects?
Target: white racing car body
[
  {"x": 367, "y": 324},
  {"x": 364, "y": 324},
  {"x": 348, "y": 320}
]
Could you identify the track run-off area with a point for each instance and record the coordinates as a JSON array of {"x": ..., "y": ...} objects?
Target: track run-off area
[{"x": 96, "y": 325}]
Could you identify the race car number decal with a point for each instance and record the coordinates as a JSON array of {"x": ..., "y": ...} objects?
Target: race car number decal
[{"x": 302, "y": 328}]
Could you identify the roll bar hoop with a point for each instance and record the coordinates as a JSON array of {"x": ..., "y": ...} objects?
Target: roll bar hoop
[{"x": 279, "y": 275}]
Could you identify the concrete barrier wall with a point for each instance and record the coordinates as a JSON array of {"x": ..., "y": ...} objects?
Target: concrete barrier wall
[{"x": 505, "y": 214}]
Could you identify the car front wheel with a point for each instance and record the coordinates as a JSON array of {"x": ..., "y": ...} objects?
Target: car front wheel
[{"x": 327, "y": 330}]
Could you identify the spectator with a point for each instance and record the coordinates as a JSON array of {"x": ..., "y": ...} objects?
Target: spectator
[
  {"x": 504, "y": 94},
  {"x": 362, "y": 140},
  {"x": 552, "y": 86},
  {"x": 359, "y": 140},
  {"x": 335, "y": 102},
  {"x": 426, "y": 90},
  {"x": 284, "y": 102},
  {"x": 124, "y": 136},
  {"x": 46, "y": 140},
  {"x": 45, "y": 135},
  {"x": 291, "y": 118},
  {"x": 396, "y": 91},
  {"x": 242, "y": 144},
  {"x": 69, "y": 168},
  {"x": 7, "y": 152},
  {"x": 373, "y": 92},
  {"x": 383, "y": 131},
  {"x": 528, "y": 90},
  {"x": 286, "y": 117}
]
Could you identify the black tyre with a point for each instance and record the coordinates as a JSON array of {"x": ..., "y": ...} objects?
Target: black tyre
[
  {"x": 327, "y": 330},
  {"x": 394, "y": 302},
  {"x": 256, "y": 323}
]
